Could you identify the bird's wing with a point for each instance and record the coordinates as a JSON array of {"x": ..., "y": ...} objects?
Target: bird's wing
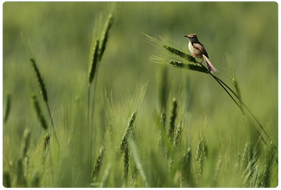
[{"x": 201, "y": 48}]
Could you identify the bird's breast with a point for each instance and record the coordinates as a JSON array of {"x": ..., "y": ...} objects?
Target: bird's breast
[{"x": 194, "y": 51}]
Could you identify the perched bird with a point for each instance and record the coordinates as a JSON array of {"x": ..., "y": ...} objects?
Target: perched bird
[{"x": 198, "y": 50}]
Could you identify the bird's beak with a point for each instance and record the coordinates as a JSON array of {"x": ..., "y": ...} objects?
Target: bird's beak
[{"x": 186, "y": 36}]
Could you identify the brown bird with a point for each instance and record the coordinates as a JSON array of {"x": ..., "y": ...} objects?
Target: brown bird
[{"x": 198, "y": 50}]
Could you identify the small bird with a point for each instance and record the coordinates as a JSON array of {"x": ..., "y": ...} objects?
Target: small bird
[{"x": 198, "y": 50}]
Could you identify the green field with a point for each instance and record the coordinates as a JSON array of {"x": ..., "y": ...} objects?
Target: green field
[{"x": 120, "y": 114}]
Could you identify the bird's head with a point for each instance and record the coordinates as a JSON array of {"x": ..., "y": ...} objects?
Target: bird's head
[{"x": 192, "y": 37}]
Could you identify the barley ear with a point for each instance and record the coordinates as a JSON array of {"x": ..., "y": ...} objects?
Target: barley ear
[
  {"x": 39, "y": 112},
  {"x": 43, "y": 90},
  {"x": 105, "y": 35},
  {"x": 94, "y": 63}
]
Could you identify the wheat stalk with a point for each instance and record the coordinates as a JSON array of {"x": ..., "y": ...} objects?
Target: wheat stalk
[
  {"x": 91, "y": 75},
  {"x": 99, "y": 49}
]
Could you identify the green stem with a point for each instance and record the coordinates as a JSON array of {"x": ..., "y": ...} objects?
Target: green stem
[
  {"x": 243, "y": 105},
  {"x": 238, "y": 106}
]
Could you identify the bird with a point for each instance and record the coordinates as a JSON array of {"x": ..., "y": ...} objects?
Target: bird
[{"x": 197, "y": 50}]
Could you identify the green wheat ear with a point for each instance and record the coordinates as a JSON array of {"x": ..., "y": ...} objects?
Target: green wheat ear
[
  {"x": 105, "y": 35},
  {"x": 8, "y": 108},
  {"x": 94, "y": 63},
  {"x": 186, "y": 169},
  {"x": 124, "y": 144},
  {"x": 201, "y": 155},
  {"x": 190, "y": 66},
  {"x": 39, "y": 112},
  {"x": 40, "y": 80},
  {"x": 173, "y": 119},
  {"x": 46, "y": 141},
  {"x": 98, "y": 164},
  {"x": 126, "y": 164},
  {"x": 179, "y": 53},
  {"x": 178, "y": 135}
]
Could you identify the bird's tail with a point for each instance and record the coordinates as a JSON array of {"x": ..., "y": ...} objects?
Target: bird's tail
[{"x": 210, "y": 66}]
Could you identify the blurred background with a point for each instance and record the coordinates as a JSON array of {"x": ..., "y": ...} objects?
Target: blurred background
[{"x": 245, "y": 34}]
